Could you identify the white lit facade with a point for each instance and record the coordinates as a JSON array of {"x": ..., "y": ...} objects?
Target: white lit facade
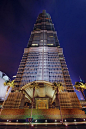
[
  {"x": 3, "y": 78},
  {"x": 43, "y": 58}
]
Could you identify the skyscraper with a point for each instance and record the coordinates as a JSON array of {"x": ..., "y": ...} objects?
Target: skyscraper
[
  {"x": 43, "y": 58},
  {"x": 43, "y": 62}
]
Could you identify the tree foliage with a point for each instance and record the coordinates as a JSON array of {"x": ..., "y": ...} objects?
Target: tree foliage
[
  {"x": 59, "y": 86},
  {"x": 80, "y": 85}
]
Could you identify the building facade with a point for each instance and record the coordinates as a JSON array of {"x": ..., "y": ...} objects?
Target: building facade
[
  {"x": 42, "y": 64},
  {"x": 43, "y": 58}
]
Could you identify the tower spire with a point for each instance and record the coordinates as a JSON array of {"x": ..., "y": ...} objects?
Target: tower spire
[{"x": 44, "y": 11}]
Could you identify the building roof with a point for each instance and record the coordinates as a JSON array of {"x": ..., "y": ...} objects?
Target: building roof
[{"x": 43, "y": 33}]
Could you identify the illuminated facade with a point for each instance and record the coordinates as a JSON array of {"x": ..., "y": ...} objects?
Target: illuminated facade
[
  {"x": 3, "y": 78},
  {"x": 43, "y": 58},
  {"x": 43, "y": 62}
]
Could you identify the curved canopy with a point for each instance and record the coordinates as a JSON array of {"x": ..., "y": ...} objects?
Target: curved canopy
[{"x": 42, "y": 89}]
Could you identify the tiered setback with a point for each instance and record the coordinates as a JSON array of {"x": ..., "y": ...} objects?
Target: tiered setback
[
  {"x": 43, "y": 59},
  {"x": 43, "y": 63},
  {"x": 14, "y": 100},
  {"x": 69, "y": 100}
]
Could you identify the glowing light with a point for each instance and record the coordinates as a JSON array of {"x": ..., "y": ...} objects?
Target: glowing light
[
  {"x": 45, "y": 120},
  {"x": 50, "y": 44},
  {"x": 74, "y": 119},
  {"x": 35, "y": 120},
  {"x": 55, "y": 120},
  {"x": 51, "y": 36},
  {"x": 65, "y": 120},
  {"x": 14, "y": 76},
  {"x": 34, "y": 44},
  {"x": 16, "y": 120}
]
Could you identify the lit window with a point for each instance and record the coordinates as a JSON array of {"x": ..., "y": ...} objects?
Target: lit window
[
  {"x": 51, "y": 36},
  {"x": 34, "y": 44},
  {"x": 50, "y": 44}
]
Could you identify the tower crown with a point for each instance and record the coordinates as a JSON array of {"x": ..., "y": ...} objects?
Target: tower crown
[
  {"x": 44, "y": 22},
  {"x": 43, "y": 33}
]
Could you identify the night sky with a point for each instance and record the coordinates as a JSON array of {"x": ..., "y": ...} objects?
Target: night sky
[{"x": 17, "y": 19}]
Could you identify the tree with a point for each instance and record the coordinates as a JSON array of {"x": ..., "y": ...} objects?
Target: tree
[
  {"x": 81, "y": 87},
  {"x": 9, "y": 84},
  {"x": 59, "y": 88}
]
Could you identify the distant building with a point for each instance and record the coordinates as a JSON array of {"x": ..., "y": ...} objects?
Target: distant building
[{"x": 3, "y": 78}]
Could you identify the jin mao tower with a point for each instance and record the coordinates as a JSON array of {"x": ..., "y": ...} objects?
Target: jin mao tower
[
  {"x": 42, "y": 64},
  {"x": 43, "y": 58}
]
